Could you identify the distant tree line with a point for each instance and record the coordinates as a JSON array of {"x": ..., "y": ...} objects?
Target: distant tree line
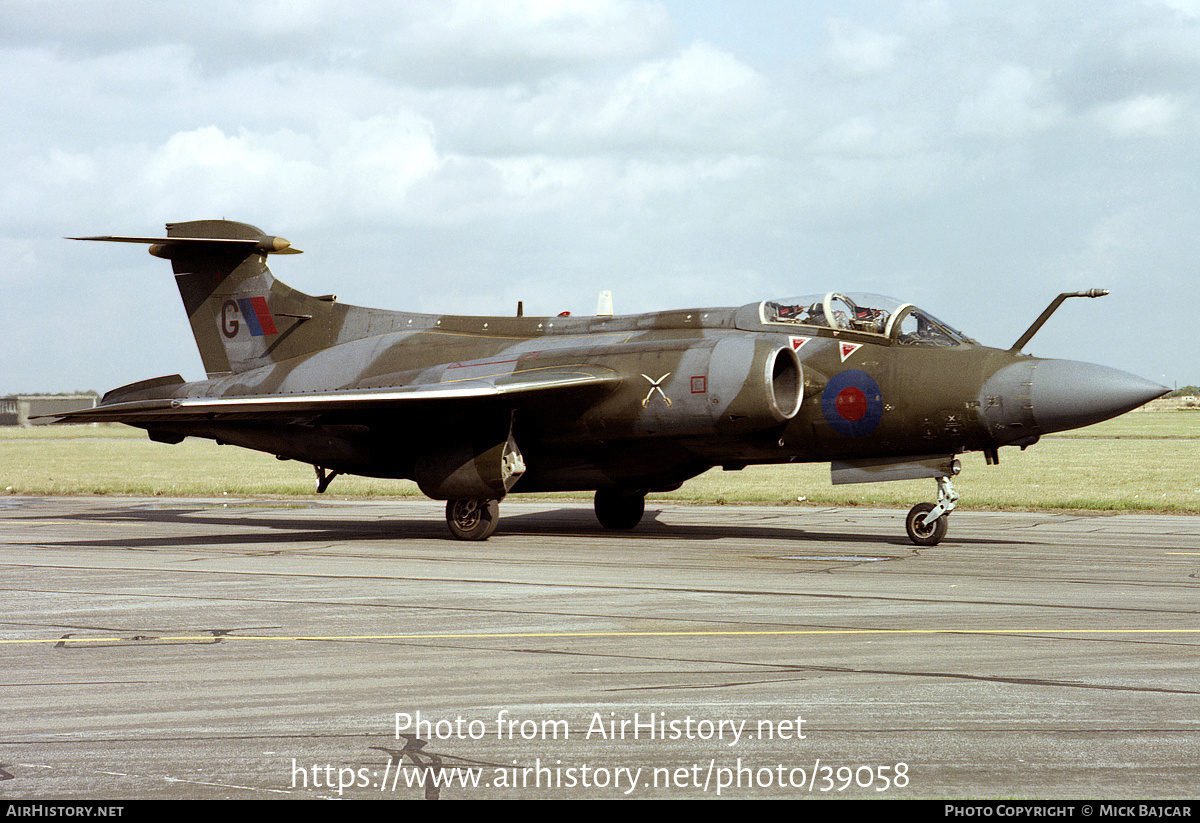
[
  {"x": 1186, "y": 391},
  {"x": 92, "y": 392}
]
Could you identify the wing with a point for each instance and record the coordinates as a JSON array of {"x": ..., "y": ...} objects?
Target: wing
[{"x": 535, "y": 385}]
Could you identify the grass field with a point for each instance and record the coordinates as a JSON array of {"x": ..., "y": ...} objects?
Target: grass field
[{"x": 1142, "y": 461}]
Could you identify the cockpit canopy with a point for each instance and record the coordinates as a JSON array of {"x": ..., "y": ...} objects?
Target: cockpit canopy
[{"x": 887, "y": 317}]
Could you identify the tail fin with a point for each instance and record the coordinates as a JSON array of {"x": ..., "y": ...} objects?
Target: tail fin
[{"x": 241, "y": 316}]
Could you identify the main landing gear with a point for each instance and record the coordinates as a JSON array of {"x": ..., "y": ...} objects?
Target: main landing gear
[
  {"x": 926, "y": 523},
  {"x": 472, "y": 519},
  {"x": 620, "y": 509},
  {"x": 616, "y": 509}
]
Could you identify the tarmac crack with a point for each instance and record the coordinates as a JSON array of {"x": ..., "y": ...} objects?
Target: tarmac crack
[{"x": 786, "y": 667}]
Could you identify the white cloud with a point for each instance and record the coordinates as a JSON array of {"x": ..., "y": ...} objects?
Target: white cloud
[
  {"x": 377, "y": 161},
  {"x": 206, "y": 171},
  {"x": 857, "y": 135},
  {"x": 1144, "y": 115},
  {"x": 859, "y": 50},
  {"x": 686, "y": 99},
  {"x": 560, "y": 29},
  {"x": 438, "y": 43},
  {"x": 697, "y": 99},
  {"x": 1013, "y": 101},
  {"x": 1188, "y": 8}
]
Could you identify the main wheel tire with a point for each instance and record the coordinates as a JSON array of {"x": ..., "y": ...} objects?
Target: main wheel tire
[
  {"x": 925, "y": 534},
  {"x": 619, "y": 510},
  {"x": 472, "y": 519}
]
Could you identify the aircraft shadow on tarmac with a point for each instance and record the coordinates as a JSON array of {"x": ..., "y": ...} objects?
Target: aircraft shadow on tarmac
[{"x": 267, "y": 531}]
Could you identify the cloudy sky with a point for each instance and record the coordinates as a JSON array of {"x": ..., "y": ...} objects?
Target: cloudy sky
[{"x": 461, "y": 155}]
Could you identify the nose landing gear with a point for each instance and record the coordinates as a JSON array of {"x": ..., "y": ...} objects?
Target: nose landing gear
[{"x": 926, "y": 523}]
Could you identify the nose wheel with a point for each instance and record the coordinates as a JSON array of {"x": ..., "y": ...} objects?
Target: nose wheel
[
  {"x": 472, "y": 519},
  {"x": 921, "y": 529},
  {"x": 926, "y": 523}
]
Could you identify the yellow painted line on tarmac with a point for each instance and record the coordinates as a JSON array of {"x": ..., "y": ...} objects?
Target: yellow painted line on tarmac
[{"x": 533, "y": 635}]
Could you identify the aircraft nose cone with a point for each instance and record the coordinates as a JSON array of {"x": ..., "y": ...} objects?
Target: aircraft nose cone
[{"x": 1067, "y": 395}]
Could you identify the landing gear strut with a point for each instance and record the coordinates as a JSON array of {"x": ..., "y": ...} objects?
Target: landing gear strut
[
  {"x": 619, "y": 509},
  {"x": 324, "y": 478},
  {"x": 472, "y": 519},
  {"x": 926, "y": 523}
]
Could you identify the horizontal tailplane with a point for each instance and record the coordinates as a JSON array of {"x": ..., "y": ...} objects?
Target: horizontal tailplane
[{"x": 241, "y": 316}]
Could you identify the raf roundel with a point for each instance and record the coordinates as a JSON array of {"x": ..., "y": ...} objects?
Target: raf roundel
[{"x": 852, "y": 403}]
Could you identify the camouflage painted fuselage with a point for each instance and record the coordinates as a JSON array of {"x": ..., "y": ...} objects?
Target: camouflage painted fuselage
[{"x": 630, "y": 402}]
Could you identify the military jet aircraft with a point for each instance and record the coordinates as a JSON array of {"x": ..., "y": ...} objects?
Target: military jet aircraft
[{"x": 475, "y": 408}]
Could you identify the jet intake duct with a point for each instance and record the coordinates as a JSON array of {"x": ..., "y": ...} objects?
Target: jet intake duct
[
  {"x": 725, "y": 387},
  {"x": 756, "y": 384}
]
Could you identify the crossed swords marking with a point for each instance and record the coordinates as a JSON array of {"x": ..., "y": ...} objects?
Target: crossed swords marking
[{"x": 655, "y": 386}]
